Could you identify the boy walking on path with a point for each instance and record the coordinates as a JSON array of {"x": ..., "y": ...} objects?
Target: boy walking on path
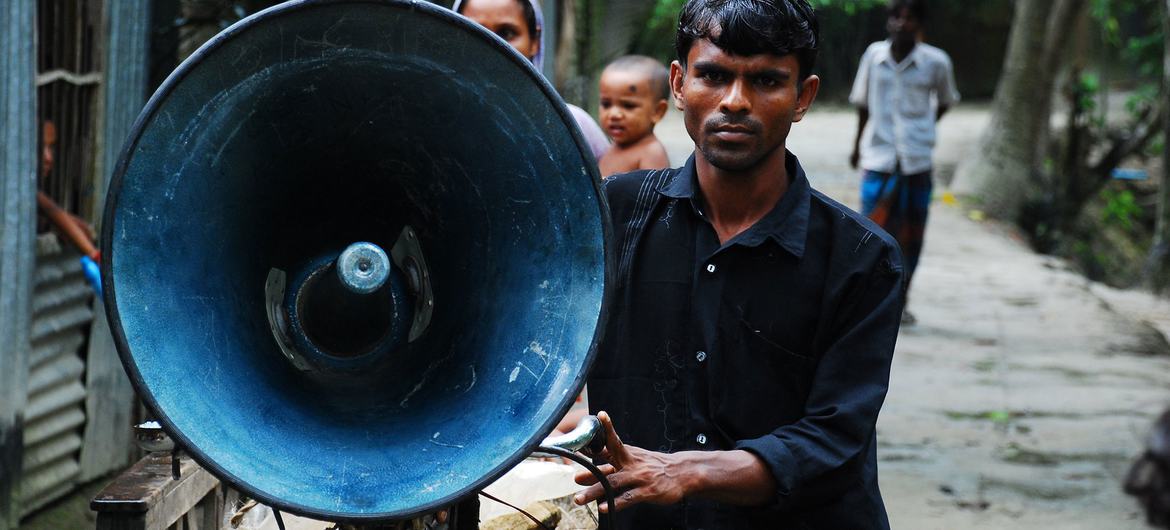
[{"x": 902, "y": 88}]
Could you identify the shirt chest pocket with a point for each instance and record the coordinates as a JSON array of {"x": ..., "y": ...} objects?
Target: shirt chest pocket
[
  {"x": 916, "y": 87},
  {"x": 762, "y": 375}
]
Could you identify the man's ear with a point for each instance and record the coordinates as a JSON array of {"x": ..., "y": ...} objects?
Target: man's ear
[
  {"x": 678, "y": 74},
  {"x": 807, "y": 94}
]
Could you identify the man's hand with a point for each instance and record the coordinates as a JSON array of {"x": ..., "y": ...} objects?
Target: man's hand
[
  {"x": 862, "y": 119},
  {"x": 637, "y": 475}
]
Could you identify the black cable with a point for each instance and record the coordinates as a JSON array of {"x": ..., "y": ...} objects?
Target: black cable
[
  {"x": 279, "y": 519},
  {"x": 531, "y": 517},
  {"x": 609, "y": 495},
  {"x": 176, "y": 473}
]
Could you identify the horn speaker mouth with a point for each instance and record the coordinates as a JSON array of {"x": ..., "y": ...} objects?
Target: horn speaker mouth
[{"x": 291, "y": 136}]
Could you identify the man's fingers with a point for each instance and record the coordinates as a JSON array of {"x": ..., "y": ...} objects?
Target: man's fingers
[
  {"x": 621, "y": 501},
  {"x": 624, "y": 500},
  {"x": 596, "y": 492},
  {"x": 613, "y": 444},
  {"x": 586, "y": 478}
]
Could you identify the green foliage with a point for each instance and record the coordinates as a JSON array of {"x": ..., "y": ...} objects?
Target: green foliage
[
  {"x": 1120, "y": 208},
  {"x": 1088, "y": 86},
  {"x": 1156, "y": 146},
  {"x": 665, "y": 14},
  {"x": 850, "y": 7},
  {"x": 1142, "y": 45},
  {"x": 657, "y": 40},
  {"x": 1143, "y": 98}
]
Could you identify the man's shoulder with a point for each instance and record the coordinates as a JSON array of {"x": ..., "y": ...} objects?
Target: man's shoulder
[
  {"x": 876, "y": 47},
  {"x": 860, "y": 233},
  {"x": 624, "y": 188},
  {"x": 934, "y": 54}
]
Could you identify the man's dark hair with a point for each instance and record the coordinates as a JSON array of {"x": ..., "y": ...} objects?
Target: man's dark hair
[
  {"x": 751, "y": 27},
  {"x": 654, "y": 71},
  {"x": 916, "y": 7},
  {"x": 529, "y": 16}
]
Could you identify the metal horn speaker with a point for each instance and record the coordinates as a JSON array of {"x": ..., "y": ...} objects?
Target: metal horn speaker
[{"x": 354, "y": 258}]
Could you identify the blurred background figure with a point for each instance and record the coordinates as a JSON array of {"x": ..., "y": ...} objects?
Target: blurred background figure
[
  {"x": 520, "y": 23},
  {"x": 899, "y": 83},
  {"x": 635, "y": 91}
]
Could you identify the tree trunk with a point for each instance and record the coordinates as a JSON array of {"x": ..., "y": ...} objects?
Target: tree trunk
[
  {"x": 1002, "y": 172},
  {"x": 593, "y": 33},
  {"x": 1160, "y": 254},
  {"x": 1061, "y": 24}
]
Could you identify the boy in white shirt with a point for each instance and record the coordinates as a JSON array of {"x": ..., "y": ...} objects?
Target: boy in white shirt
[{"x": 902, "y": 88}]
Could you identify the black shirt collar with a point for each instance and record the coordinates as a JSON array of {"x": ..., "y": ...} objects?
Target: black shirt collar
[{"x": 786, "y": 224}]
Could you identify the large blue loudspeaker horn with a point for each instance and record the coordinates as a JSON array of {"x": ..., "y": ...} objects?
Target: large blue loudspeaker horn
[{"x": 354, "y": 258}]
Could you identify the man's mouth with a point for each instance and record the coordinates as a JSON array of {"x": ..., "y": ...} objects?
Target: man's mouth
[{"x": 733, "y": 133}]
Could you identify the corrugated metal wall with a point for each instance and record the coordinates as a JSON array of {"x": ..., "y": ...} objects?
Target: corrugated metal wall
[
  {"x": 17, "y": 224},
  {"x": 55, "y": 413},
  {"x": 65, "y": 403}
]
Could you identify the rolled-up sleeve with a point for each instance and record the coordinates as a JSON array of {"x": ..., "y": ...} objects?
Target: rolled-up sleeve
[
  {"x": 859, "y": 95},
  {"x": 816, "y": 459},
  {"x": 945, "y": 87}
]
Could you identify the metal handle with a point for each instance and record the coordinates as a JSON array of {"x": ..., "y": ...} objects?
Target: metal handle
[{"x": 585, "y": 434}]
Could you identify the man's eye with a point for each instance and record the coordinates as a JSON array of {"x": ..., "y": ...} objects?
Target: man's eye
[
  {"x": 767, "y": 81},
  {"x": 713, "y": 77},
  {"x": 507, "y": 34}
]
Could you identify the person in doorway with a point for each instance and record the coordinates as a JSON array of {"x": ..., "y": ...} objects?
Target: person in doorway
[
  {"x": 635, "y": 91},
  {"x": 753, "y": 319},
  {"x": 903, "y": 87},
  {"x": 519, "y": 23}
]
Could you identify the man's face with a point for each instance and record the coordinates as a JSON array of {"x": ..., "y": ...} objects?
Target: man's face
[
  {"x": 506, "y": 19},
  {"x": 903, "y": 25},
  {"x": 629, "y": 110},
  {"x": 739, "y": 109}
]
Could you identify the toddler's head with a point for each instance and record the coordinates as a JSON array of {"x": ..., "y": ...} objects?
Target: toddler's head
[{"x": 634, "y": 94}]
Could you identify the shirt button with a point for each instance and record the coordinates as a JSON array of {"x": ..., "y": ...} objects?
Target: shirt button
[
  {"x": 701, "y": 438},
  {"x": 710, "y": 267},
  {"x": 701, "y": 356}
]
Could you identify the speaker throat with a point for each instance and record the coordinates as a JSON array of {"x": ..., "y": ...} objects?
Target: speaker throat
[{"x": 348, "y": 311}]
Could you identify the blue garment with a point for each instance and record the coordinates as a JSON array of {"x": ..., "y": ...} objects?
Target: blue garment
[
  {"x": 777, "y": 342},
  {"x": 900, "y": 204}
]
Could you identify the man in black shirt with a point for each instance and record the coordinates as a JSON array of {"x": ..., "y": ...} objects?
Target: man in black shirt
[{"x": 749, "y": 344}]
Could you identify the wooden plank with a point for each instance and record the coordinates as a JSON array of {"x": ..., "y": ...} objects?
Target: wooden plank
[
  {"x": 18, "y": 148},
  {"x": 147, "y": 488},
  {"x": 121, "y": 521}
]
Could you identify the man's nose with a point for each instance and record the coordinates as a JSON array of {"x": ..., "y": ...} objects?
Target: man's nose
[{"x": 735, "y": 99}]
